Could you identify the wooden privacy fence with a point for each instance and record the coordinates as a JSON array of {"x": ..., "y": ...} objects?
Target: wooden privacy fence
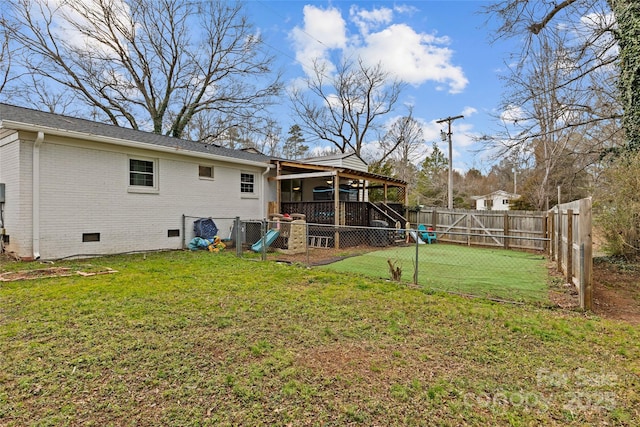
[
  {"x": 564, "y": 233},
  {"x": 504, "y": 229},
  {"x": 571, "y": 246}
]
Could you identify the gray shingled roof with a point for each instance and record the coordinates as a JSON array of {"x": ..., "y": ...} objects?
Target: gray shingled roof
[{"x": 28, "y": 116}]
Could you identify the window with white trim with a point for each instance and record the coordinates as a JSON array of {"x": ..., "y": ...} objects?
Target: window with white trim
[
  {"x": 247, "y": 183},
  {"x": 143, "y": 174}
]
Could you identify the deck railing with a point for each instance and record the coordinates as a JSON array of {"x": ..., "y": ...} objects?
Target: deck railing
[{"x": 351, "y": 213}]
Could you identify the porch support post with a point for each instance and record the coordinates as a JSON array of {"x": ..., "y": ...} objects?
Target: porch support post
[
  {"x": 278, "y": 189},
  {"x": 406, "y": 197}
]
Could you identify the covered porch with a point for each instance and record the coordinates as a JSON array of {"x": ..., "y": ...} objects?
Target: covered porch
[{"x": 338, "y": 196}]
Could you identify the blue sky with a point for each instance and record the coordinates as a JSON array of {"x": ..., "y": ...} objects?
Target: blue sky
[{"x": 440, "y": 48}]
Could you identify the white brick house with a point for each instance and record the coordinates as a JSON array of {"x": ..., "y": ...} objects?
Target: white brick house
[{"x": 76, "y": 187}]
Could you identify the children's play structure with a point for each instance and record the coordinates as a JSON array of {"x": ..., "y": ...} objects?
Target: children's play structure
[
  {"x": 291, "y": 228},
  {"x": 266, "y": 241}
]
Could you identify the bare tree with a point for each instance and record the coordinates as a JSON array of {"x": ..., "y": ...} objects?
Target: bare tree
[
  {"x": 149, "y": 63},
  {"x": 269, "y": 143},
  {"x": 541, "y": 129},
  {"x": 8, "y": 53},
  {"x": 345, "y": 107},
  {"x": 604, "y": 36},
  {"x": 402, "y": 145},
  {"x": 5, "y": 60}
]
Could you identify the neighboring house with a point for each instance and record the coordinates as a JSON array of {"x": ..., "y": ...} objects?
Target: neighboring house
[
  {"x": 495, "y": 201},
  {"x": 77, "y": 187}
]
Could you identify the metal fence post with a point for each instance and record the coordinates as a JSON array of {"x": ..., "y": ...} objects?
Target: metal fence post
[
  {"x": 263, "y": 237},
  {"x": 415, "y": 269},
  {"x": 238, "y": 237},
  {"x": 306, "y": 238},
  {"x": 184, "y": 232}
]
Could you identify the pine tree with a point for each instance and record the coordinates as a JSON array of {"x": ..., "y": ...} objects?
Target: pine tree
[{"x": 294, "y": 147}]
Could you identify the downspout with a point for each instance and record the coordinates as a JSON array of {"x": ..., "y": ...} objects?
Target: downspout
[
  {"x": 265, "y": 189},
  {"x": 35, "y": 195}
]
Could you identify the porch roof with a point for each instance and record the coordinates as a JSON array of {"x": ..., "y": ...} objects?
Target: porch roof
[{"x": 305, "y": 170}]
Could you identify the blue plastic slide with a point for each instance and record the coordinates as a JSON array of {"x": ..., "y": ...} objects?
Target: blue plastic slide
[
  {"x": 416, "y": 237},
  {"x": 268, "y": 238}
]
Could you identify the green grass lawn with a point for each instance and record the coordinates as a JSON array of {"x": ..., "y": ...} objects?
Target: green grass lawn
[
  {"x": 494, "y": 273},
  {"x": 203, "y": 339}
]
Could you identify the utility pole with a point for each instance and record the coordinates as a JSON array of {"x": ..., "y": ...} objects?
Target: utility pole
[{"x": 446, "y": 136}]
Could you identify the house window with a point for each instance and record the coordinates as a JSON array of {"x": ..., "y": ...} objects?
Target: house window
[
  {"x": 141, "y": 172},
  {"x": 505, "y": 201},
  {"x": 205, "y": 172},
  {"x": 143, "y": 175},
  {"x": 247, "y": 183}
]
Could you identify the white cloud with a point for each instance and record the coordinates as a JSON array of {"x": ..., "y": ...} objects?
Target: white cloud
[
  {"x": 366, "y": 20},
  {"x": 414, "y": 57},
  {"x": 469, "y": 111},
  {"x": 69, "y": 16},
  {"x": 323, "y": 30},
  {"x": 512, "y": 114}
]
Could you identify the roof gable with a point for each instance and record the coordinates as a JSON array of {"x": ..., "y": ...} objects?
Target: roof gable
[{"x": 349, "y": 160}]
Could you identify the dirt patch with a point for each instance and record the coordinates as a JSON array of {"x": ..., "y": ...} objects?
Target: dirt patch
[
  {"x": 42, "y": 273},
  {"x": 35, "y": 274},
  {"x": 320, "y": 256},
  {"x": 616, "y": 290},
  {"x": 335, "y": 360}
]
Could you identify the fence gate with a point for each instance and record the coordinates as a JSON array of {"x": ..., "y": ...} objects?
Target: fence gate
[{"x": 505, "y": 229}]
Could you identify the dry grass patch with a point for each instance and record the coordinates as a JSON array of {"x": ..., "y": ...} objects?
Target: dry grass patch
[{"x": 195, "y": 338}]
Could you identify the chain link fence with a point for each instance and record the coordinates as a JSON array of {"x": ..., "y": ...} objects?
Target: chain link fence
[{"x": 414, "y": 255}]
